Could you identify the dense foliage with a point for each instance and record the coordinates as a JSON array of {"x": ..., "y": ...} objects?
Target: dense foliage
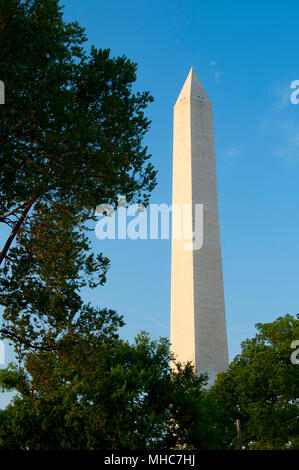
[
  {"x": 103, "y": 393},
  {"x": 71, "y": 135},
  {"x": 261, "y": 388}
]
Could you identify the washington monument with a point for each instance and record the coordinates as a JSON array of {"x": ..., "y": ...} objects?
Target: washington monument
[{"x": 198, "y": 327}]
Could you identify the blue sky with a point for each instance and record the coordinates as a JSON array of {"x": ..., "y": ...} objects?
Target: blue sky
[{"x": 245, "y": 54}]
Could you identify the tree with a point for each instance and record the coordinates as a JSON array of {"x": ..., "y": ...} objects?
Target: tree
[
  {"x": 103, "y": 393},
  {"x": 71, "y": 138},
  {"x": 260, "y": 388}
]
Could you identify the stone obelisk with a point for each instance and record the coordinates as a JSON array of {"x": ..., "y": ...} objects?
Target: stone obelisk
[{"x": 198, "y": 326}]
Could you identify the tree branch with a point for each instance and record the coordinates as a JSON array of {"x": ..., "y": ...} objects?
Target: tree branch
[
  {"x": 13, "y": 211},
  {"x": 15, "y": 230},
  {"x": 27, "y": 343}
]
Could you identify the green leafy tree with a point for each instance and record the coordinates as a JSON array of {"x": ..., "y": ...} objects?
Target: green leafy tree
[
  {"x": 260, "y": 388},
  {"x": 99, "y": 392},
  {"x": 71, "y": 135}
]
